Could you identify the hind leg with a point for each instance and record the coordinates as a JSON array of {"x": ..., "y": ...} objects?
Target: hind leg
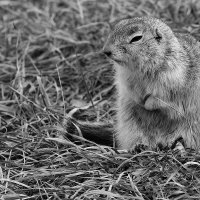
[
  {"x": 191, "y": 137},
  {"x": 129, "y": 135}
]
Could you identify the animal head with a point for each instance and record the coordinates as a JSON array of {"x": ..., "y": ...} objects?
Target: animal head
[{"x": 142, "y": 43}]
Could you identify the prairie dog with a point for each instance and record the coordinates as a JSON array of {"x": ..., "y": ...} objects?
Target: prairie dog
[{"x": 158, "y": 82}]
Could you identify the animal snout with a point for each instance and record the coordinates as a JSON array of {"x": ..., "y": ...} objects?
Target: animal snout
[{"x": 107, "y": 52}]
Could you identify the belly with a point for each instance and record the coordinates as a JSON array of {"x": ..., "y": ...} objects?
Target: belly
[{"x": 154, "y": 121}]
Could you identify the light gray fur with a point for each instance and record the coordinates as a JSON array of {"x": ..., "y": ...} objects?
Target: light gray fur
[{"x": 168, "y": 71}]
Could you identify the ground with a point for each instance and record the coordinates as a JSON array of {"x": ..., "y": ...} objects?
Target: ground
[{"x": 52, "y": 68}]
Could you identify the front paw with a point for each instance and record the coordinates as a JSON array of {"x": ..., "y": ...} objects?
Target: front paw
[
  {"x": 138, "y": 148},
  {"x": 151, "y": 103}
]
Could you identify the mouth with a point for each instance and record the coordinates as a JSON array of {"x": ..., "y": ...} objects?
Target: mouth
[
  {"x": 118, "y": 61},
  {"x": 113, "y": 59}
]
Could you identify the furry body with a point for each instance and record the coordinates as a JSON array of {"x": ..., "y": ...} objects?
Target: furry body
[{"x": 158, "y": 82}]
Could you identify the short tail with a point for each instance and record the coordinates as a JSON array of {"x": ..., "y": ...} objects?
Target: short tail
[{"x": 99, "y": 133}]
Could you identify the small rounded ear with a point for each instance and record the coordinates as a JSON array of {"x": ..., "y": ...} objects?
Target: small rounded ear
[
  {"x": 113, "y": 23},
  {"x": 116, "y": 21},
  {"x": 158, "y": 35}
]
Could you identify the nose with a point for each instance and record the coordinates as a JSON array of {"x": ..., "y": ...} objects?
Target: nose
[
  {"x": 108, "y": 53},
  {"x": 107, "y": 50}
]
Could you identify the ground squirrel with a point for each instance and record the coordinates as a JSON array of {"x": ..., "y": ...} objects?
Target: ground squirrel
[{"x": 158, "y": 82}]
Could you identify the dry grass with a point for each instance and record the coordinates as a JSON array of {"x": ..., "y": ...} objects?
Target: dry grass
[{"x": 50, "y": 64}]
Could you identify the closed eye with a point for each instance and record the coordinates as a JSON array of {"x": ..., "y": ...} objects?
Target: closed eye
[{"x": 136, "y": 38}]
